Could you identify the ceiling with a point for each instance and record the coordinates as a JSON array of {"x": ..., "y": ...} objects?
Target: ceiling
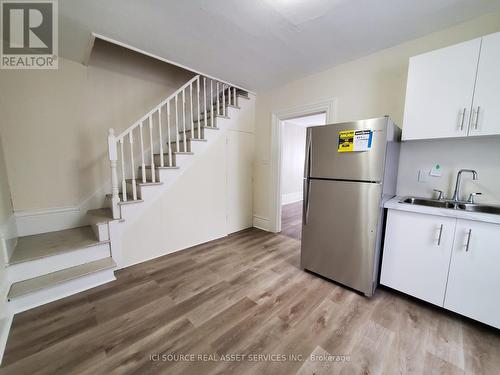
[{"x": 259, "y": 44}]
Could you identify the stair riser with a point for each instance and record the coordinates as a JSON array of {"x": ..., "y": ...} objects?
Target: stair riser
[
  {"x": 59, "y": 291},
  {"x": 101, "y": 231},
  {"x": 43, "y": 266},
  {"x": 181, "y": 147},
  {"x": 206, "y": 133}
]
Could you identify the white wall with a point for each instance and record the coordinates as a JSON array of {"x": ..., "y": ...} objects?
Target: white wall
[
  {"x": 212, "y": 198},
  {"x": 479, "y": 153},
  {"x": 372, "y": 86},
  {"x": 293, "y": 155},
  {"x": 55, "y": 123}
]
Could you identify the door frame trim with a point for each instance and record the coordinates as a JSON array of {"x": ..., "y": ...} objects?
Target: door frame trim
[{"x": 327, "y": 106}]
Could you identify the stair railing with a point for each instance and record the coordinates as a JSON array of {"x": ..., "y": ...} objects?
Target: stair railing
[{"x": 199, "y": 104}]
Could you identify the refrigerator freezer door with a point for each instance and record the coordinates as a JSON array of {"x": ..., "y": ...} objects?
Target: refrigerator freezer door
[
  {"x": 323, "y": 160},
  {"x": 339, "y": 231}
]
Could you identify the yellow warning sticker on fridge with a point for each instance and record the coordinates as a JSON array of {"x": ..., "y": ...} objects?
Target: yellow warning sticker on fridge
[
  {"x": 346, "y": 141},
  {"x": 355, "y": 140}
]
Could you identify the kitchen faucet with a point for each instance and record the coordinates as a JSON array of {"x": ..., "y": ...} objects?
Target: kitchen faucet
[{"x": 456, "y": 194}]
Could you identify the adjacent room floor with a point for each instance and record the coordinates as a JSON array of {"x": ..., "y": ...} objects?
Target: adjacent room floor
[
  {"x": 291, "y": 220},
  {"x": 243, "y": 294}
]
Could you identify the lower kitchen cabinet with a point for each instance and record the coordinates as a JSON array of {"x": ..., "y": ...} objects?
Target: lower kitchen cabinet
[
  {"x": 453, "y": 263},
  {"x": 474, "y": 277},
  {"x": 417, "y": 254}
]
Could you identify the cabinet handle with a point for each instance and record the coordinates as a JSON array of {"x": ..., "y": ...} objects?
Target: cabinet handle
[
  {"x": 462, "y": 119},
  {"x": 468, "y": 240},
  {"x": 477, "y": 117},
  {"x": 440, "y": 234}
]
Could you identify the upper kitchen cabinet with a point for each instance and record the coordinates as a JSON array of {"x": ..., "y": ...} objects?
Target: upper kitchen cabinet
[
  {"x": 439, "y": 92},
  {"x": 486, "y": 108}
]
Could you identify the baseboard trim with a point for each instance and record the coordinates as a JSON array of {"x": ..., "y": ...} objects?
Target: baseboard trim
[
  {"x": 291, "y": 197},
  {"x": 261, "y": 222}
]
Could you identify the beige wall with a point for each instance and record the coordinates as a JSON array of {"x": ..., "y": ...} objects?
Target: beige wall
[
  {"x": 368, "y": 87},
  {"x": 55, "y": 123}
]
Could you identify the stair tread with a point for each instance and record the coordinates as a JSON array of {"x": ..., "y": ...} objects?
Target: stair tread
[
  {"x": 202, "y": 118},
  {"x": 202, "y": 127},
  {"x": 189, "y": 140},
  {"x": 138, "y": 181},
  {"x": 47, "y": 244},
  {"x": 130, "y": 201},
  {"x": 101, "y": 215},
  {"x": 156, "y": 167},
  {"x": 24, "y": 287},
  {"x": 176, "y": 152}
]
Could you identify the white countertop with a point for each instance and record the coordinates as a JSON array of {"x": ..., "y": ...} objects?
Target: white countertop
[{"x": 394, "y": 204}]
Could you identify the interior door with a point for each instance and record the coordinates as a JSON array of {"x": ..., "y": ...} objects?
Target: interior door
[
  {"x": 474, "y": 278},
  {"x": 417, "y": 254},
  {"x": 439, "y": 92},
  {"x": 486, "y": 108},
  {"x": 339, "y": 230}
]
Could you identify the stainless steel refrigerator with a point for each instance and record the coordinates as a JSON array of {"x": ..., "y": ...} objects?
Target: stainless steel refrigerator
[{"x": 350, "y": 171}]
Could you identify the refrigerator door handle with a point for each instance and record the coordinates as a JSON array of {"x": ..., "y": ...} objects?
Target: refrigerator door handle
[
  {"x": 305, "y": 208},
  {"x": 308, "y": 160}
]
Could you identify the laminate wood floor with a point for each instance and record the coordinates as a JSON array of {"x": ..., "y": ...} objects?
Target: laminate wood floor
[
  {"x": 291, "y": 220},
  {"x": 243, "y": 295}
]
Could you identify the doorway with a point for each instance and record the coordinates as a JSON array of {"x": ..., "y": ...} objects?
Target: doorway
[{"x": 293, "y": 144}]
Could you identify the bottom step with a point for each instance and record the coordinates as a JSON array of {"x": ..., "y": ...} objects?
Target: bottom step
[{"x": 22, "y": 288}]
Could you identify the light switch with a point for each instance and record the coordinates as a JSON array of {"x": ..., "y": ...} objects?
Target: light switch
[{"x": 423, "y": 175}]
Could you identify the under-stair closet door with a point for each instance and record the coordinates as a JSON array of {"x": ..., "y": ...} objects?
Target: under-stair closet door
[{"x": 240, "y": 154}]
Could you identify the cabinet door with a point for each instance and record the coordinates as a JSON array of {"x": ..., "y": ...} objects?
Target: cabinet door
[
  {"x": 417, "y": 254},
  {"x": 474, "y": 279},
  {"x": 486, "y": 108},
  {"x": 439, "y": 92}
]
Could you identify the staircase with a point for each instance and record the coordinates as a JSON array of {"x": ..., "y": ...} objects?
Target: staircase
[{"x": 145, "y": 159}]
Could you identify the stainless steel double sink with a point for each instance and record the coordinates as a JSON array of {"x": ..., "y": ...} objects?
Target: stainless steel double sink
[{"x": 464, "y": 206}]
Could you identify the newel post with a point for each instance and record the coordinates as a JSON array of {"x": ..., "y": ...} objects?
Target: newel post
[{"x": 113, "y": 157}]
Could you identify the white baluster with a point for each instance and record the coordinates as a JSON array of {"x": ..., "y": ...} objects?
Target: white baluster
[
  {"x": 217, "y": 93},
  {"x": 168, "y": 135},
  {"x": 177, "y": 122},
  {"x": 124, "y": 182},
  {"x": 153, "y": 172},
  {"x": 223, "y": 100},
  {"x": 234, "y": 96},
  {"x": 113, "y": 157},
  {"x": 132, "y": 164},
  {"x": 198, "y": 110},
  {"x": 184, "y": 118},
  {"x": 143, "y": 164},
  {"x": 205, "y": 99},
  {"x": 191, "y": 105},
  {"x": 212, "y": 103},
  {"x": 161, "y": 138}
]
